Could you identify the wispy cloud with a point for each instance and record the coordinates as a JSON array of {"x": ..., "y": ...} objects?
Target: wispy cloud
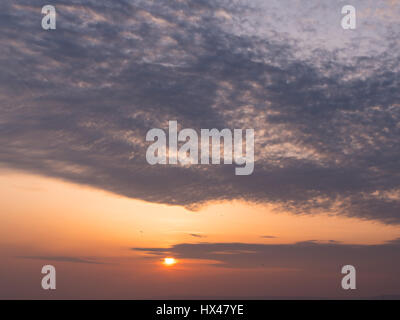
[
  {"x": 62, "y": 259},
  {"x": 196, "y": 235}
]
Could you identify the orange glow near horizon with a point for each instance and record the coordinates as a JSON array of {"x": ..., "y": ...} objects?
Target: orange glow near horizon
[
  {"x": 57, "y": 216},
  {"x": 100, "y": 230}
]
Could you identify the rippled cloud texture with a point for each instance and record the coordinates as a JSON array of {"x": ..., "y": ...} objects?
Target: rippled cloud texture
[{"x": 76, "y": 102}]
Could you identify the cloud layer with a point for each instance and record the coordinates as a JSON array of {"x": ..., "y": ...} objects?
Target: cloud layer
[
  {"x": 308, "y": 255},
  {"x": 76, "y": 102}
]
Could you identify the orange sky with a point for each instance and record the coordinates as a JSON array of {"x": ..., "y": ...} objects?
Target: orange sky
[
  {"x": 49, "y": 213},
  {"x": 48, "y": 217}
]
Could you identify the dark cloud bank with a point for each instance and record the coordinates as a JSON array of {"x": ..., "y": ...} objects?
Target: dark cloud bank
[
  {"x": 303, "y": 265},
  {"x": 76, "y": 103},
  {"x": 307, "y": 255}
]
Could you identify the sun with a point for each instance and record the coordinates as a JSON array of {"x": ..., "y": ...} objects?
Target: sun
[{"x": 169, "y": 261}]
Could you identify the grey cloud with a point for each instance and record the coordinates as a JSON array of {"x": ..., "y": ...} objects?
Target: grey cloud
[
  {"x": 77, "y": 102},
  {"x": 196, "y": 235},
  {"x": 306, "y": 255},
  {"x": 62, "y": 259}
]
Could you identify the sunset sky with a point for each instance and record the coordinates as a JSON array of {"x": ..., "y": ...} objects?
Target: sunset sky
[{"x": 77, "y": 192}]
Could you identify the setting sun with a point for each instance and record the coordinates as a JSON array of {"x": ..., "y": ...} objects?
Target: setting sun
[{"x": 169, "y": 261}]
